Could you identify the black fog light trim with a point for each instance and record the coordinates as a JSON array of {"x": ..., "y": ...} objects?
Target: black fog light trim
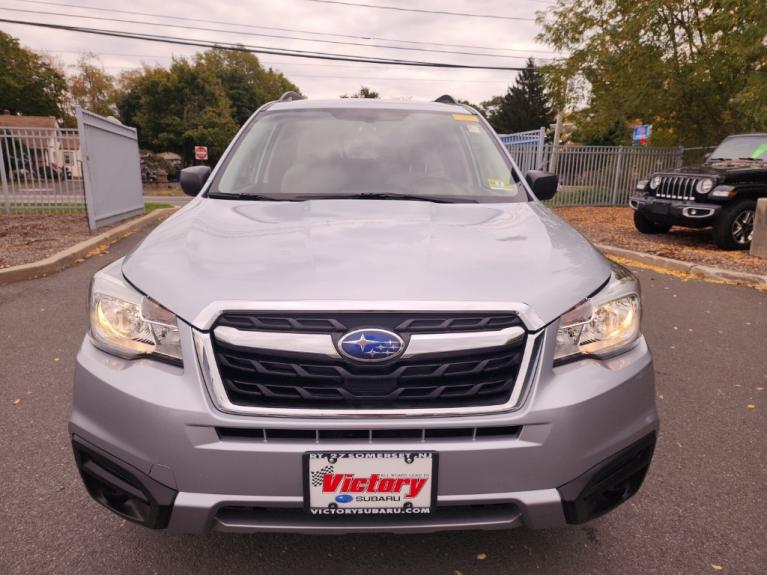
[
  {"x": 122, "y": 488},
  {"x": 609, "y": 483}
]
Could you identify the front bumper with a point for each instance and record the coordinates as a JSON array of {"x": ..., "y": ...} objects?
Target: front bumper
[
  {"x": 156, "y": 422},
  {"x": 676, "y": 212}
]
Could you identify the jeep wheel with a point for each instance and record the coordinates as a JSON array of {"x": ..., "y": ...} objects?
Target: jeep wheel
[
  {"x": 647, "y": 226},
  {"x": 735, "y": 227}
]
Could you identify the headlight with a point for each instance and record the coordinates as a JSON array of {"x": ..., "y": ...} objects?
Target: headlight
[
  {"x": 126, "y": 323},
  {"x": 723, "y": 192},
  {"x": 704, "y": 186},
  {"x": 605, "y": 324},
  {"x": 655, "y": 182}
]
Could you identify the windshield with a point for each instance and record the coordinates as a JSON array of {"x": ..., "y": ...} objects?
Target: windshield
[
  {"x": 741, "y": 148},
  {"x": 357, "y": 152}
]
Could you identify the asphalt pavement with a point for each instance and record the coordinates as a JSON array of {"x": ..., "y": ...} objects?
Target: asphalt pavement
[{"x": 702, "y": 508}]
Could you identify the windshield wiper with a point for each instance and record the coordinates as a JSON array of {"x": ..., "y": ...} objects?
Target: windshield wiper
[
  {"x": 389, "y": 196},
  {"x": 253, "y": 197},
  {"x": 752, "y": 159}
]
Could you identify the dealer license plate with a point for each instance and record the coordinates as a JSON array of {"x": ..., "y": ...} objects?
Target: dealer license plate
[{"x": 370, "y": 482}]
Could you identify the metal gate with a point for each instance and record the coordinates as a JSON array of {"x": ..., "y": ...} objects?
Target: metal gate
[
  {"x": 111, "y": 170},
  {"x": 40, "y": 171},
  {"x": 591, "y": 175},
  {"x": 526, "y": 148}
]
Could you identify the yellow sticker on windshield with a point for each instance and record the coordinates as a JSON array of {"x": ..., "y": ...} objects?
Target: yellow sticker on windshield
[
  {"x": 465, "y": 118},
  {"x": 499, "y": 184}
]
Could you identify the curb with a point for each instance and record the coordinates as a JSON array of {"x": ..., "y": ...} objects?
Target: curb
[
  {"x": 694, "y": 270},
  {"x": 71, "y": 255}
]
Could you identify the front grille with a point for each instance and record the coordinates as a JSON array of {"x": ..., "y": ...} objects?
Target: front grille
[
  {"x": 283, "y": 379},
  {"x": 366, "y": 436},
  {"x": 343, "y": 322},
  {"x": 677, "y": 187}
]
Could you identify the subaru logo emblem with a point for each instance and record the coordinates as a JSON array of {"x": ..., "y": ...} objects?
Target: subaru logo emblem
[
  {"x": 344, "y": 498},
  {"x": 371, "y": 345}
]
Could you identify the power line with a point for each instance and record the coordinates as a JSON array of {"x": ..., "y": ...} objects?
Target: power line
[
  {"x": 261, "y": 35},
  {"x": 270, "y": 63},
  {"x": 424, "y": 11},
  {"x": 258, "y": 49},
  {"x": 276, "y": 63},
  {"x": 278, "y": 29}
]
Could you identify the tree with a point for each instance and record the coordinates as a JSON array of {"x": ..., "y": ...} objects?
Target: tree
[
  {"x": 364, "y": 92},
  {"x": 92, "y": 88},
  {"x": 202, "y": 101},
  {"x": 29, "y": 83},
  {"x": 695, "y": 69},
  {"x": 525, "y": 106},
  {"x": 246, "y": 83},
  {"x": 178, "y": 108}
]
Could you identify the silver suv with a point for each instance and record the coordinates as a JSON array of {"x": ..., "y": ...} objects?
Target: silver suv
[{"x": 365, "y": 320}]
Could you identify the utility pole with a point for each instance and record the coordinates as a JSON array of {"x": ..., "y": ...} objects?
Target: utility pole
[{"x": 555, "y": 144}]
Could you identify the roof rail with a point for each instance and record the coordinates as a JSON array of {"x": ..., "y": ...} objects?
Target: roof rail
[
  {"x": 446, "y": 99},
  {"x": 291, "y": 96}
]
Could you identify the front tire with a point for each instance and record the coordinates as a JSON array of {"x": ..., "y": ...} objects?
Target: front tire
[
  {"x": 646, "y": 226},
  {"x": 735, "y": 227}
]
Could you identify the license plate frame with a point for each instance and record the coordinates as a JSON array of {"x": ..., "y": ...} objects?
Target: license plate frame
[
  {"x": 661, "y": 208},
  {"x": 346, "y": 456}
]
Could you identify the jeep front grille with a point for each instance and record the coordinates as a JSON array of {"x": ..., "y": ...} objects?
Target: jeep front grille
[
  {"x": 289, "y": 361},
  {"x": 677, "y": 187}
]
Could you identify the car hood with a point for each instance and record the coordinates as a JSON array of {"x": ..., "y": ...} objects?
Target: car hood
[
  {"x": 719, "y": 168},
  {"x": 364, "y": 251}
]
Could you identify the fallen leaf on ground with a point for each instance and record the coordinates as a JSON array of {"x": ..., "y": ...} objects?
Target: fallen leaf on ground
[
  {"x": 614, "y": 226},
  {"x": 16, "y": 401},
  {"x": 55, "y": 359},
  {"x": 750, "y": 405},
  {"x": 716, "y": 567},
  {"x": 481, "y": 556}
]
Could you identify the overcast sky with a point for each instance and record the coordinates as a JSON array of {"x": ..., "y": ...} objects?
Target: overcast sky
[{"x": 510, "y": 41}]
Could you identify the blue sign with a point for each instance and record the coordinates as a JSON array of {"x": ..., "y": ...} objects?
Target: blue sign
[
  {"x": 642, "y": 133},
  {"x": 519, "y": 138}
]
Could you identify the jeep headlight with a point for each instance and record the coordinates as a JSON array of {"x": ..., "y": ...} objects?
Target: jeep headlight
[
  {"x": 704, "y": 186},
  {"x": 654, "y": 182},
  {"x": 126, "y": 323},
  {"x": 605, "y": 324}
]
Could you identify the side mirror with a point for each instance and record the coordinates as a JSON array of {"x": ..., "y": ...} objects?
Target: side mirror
[
  {"x": 193, "y": 179},
  {"x": 543, "y": 184},
  {"x": 707, "y": 156}
]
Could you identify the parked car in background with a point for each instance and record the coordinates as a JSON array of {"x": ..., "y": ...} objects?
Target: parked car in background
[
  {"x": 366, "y": 320},
  {"x": 51, "y": 172},
  {"x": 721, "y": 193},
  {"x": 18, "y": 167},
  {"x": 156, "y": 169}
]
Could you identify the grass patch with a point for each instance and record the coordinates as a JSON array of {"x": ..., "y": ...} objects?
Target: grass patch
[
  {"x": 152, "y": 206},
  {"x": 587, "y": 196},
  {"x": 58, "y": 208}
]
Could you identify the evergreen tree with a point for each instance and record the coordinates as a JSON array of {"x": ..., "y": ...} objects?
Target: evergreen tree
[{"x": 525, "y": 106}]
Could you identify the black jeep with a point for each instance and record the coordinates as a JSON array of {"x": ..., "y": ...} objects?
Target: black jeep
[{"x": 722, "y": 193}]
